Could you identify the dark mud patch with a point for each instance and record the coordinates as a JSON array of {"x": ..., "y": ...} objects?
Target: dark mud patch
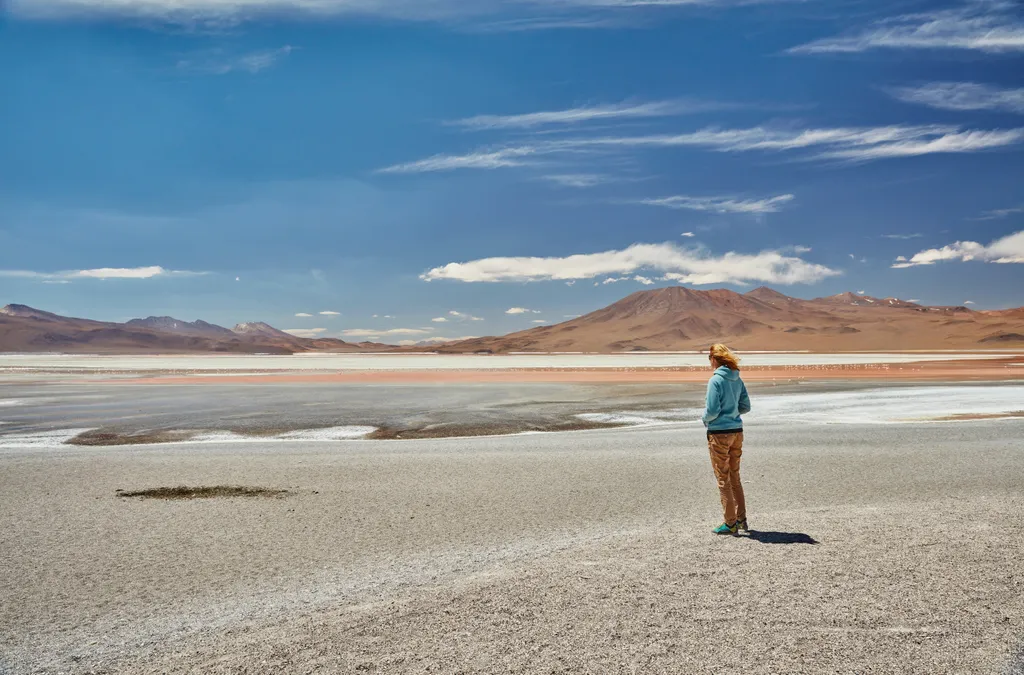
[
  {"x": 100, "y": 437},
  {"x": 967, "y": 417},
  {"x": 385, "y": 433},
  {"x": 203, "y": 492}
]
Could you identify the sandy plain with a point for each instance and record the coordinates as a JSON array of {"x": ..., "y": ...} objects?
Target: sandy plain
[{"x": 881, "y": 544}]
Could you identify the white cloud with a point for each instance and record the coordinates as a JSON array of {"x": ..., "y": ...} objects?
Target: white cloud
[
  {"x": 329, "y": 313},
  {"x": 521, "y": 310},
  {"x": 571, "y": 282},
  {"x": 305, "y": 332},
  {"x": 995, "y": 214},
  {"x": 436, "y": 340},
  {"x": 513, "y": 15},
  {"x": 968, "y": 302},
  {"x": 687, "y": 234},
  {"x": 383, "y": 316},
  {"x": 1008, "y": 249},
  {"x": 577, "y": 180},
  {"x": 902, "y": 236},
  {"x": 983, "y": 25},
  {"x": 913, "y": 300},
  {"x": 538, "y": 321},
  {"x": 694, "y": 266},
  {"x": 962, "y": 96},
  {"x": 643, "y": 280},
  {"x": 304, "y": 315},
  {"x": 846, "y": 143},
  {"x": 496, "y": 159},
  {"x": 861, "y": 292},
  {"x": 370, "y": 332},
  {"x": 219, "y": 63},
  {"x": 614, "y": 280},
  {"x": 721, "y": 204},
  {"x": 439, "y": 319},
  {"x": 583, "y": 114},
  {"x": 104, "y": 273}
]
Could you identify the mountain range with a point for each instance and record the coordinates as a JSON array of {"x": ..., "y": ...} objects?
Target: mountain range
[
  {"x": 678, "y": 318},
  {"x": 664, "y": 319},
  {"x": 25, "y": 329}
]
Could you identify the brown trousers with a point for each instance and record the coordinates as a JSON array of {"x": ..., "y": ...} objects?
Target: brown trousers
[{"x": 726, "y": 450}]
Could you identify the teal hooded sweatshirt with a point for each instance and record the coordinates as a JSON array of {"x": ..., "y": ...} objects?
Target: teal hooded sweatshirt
[{"x": 727, "y": 400}]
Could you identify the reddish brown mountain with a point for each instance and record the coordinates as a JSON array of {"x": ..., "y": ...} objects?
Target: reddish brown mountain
[
  {"x": 677, "y": 318},
  {"x": 24, "y": 329}
]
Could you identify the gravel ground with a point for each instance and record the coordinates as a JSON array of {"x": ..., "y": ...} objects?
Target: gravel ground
[{"x": 877, "y": 549}]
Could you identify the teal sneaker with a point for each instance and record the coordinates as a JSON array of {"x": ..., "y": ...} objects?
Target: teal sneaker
[
  {"x": 725, "y": 528},
  {"x": 741, "y": 526}
]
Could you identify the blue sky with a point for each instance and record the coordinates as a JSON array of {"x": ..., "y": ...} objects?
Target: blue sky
[{"x": 398, "y": 162}]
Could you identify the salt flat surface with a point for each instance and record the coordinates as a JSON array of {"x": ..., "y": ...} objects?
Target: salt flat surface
[
  {"x": 881, "y": 405},
  {"x": 868, "y": 406},
  {"x": 362, "y": 362}
]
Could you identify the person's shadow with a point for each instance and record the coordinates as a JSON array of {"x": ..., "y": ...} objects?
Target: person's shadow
[{"x": 781, "y": 537}]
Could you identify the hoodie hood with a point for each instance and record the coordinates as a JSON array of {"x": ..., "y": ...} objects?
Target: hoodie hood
[{"x": 728, "y": 373}]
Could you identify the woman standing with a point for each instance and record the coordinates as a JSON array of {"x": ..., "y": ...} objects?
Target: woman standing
[{"x": 726, "y": 400}]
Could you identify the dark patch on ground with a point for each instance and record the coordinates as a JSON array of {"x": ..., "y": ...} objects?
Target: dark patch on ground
[
  {"x": 204, "y": 492},
  {"x": 108, "y": 437},
  {"x": 384, "y": 433}
]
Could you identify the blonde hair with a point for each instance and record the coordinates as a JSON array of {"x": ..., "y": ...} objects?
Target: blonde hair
[{"x": 724, "y": 356}]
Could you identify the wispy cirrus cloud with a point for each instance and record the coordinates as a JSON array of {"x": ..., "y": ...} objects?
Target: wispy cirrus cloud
[
  {"x": 962, "y": 96},
  {"x": 221, "y": 63},
  {"x": 721, "y": 204},
  {"x": 687, "y": 265},
  {"x": 840, "y": 143},
  {"x": 982, "y": 25},
  {"x": 1008, "y": 249},
  {"x": 151, "y": 272},
  {"x": 990, "y": 26},
  {"x": 914, "y": 235},
  {"x": 495, "y": 159},
  {"x": 995, "y": 214},
  {"x": 583, "y": 114},
  {"x": 497, "y": 15},
  {"x": 578, "y": 180}
]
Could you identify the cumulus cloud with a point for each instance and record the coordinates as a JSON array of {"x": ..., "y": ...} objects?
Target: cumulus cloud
[
  {"x": 1006, "y": 250},
  {"x": 962, "y": 96},
  {"x": 305, "y": 332},
  {"x": 151, "y": 272},
  {"x": 845, "y": 143},
  {"x": 687, "y": 265},
  {"x": 328, "y": 312},
  {"x": 521, "y": 310},
  {"x": 464, "y": 317},
  {"x": 439, "y": 319},
  {"x": 720, "y": 204},
  {"x": 982, "y": 25},
  {"x": 304, "y": 315},
  {"x": 643, "y": 280}
]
